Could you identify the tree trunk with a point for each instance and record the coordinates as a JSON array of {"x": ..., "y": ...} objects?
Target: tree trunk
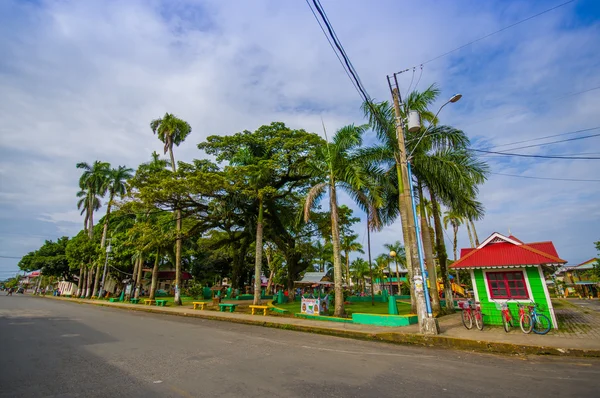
[
  {"x": 154, "y": 276},
  {"x": 348, "y": 266},
  {"x": 37, "y": 288},
  {"x": 138, "y": 282},
  {"x": 259, "y": 250},
  {"x": 80, "y": 282},
  {"x": 441, "y": 252},
  {"x": 370, "y": 263},
  {"x": 90, "y": 279},
  {"x": 474, "y": 233},
  {"x": 337, "y": 260},
  {"x": 469, "y": 232},
  {"x": 428, "y": 249},
  {"x": 135, "y": 272},
  {"x": 455, "y": 241},
  {"x": 408, "y": 249},
  {"x": 177, "y": 299}
]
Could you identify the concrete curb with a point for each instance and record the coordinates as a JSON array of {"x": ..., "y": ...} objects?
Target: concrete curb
[{"x": 388, "y": 337}]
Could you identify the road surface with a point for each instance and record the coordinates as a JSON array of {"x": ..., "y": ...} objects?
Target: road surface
[{"x": 59, "y": 349}]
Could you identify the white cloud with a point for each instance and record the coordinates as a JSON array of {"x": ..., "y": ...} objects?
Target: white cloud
[{"x": 82, "y": 80}]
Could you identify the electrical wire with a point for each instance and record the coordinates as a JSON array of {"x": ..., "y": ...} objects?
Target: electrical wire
[
  {"x": 553, "y": 142},
  {"x": 542, "y": 138},
  {"x": 16, "y": 258},
  {"x": 333, "y": 48},
  {"x": 546, "y": 178},
  {"x": 496, "y": 32},
  {"x": 537, "y": 156}
]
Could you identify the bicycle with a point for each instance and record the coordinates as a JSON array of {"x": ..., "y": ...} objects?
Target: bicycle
[
  {"x": 471, "y": 311},
  {"x": 506, "y": 315},
  {"x": 539, "y": 323}
]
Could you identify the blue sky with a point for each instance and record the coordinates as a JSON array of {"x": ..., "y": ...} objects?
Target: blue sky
[{"x": 81, "y": 81}]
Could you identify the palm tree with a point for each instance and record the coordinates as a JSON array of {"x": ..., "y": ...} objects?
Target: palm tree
[
  {"x": 115, "y": 184},
  {"x": 349, "y": 244},
  {"x": 383, "y": 261},
  {"x": 341, "y": 161},
  {"x": 360, "y": 271},
  {"x": 93, "y": 180},
  {"x": 455, "y": 220},
  {"x": 173, "y": 131}
]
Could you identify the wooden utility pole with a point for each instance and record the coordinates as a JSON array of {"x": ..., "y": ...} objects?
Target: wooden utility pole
[{"x": 427, "y": 324}]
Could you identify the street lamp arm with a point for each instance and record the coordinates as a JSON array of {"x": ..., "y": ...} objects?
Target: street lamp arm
[{"x": 454, "y": 98}]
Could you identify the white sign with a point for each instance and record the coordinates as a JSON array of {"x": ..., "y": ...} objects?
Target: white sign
[
  {"x": 418, "y": 281},
  {"x": 315, "y": 306}
]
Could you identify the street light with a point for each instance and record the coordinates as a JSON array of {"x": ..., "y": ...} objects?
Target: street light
[
  {"x": 416, "y": 127},
  {"x": 420, "y": 250}
]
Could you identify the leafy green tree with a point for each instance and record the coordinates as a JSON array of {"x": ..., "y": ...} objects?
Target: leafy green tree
[
  {"x": 359, "y": 269},
  {"x": 173, "y": 131},
  {"x": 50, "y": 259}
]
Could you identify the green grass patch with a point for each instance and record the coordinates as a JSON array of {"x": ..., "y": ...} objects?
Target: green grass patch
[{"x": 353, "y": 308}]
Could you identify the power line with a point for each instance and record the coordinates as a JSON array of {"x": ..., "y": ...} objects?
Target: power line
[
  {"x": 333, "y": 48},
  {"x": 554, "y": 142},
  {"x": 545, "y": 178},
  {"x": 17, "y": 258},
  {"x": 543, "y": 138},
  {"x": 536, "y": 156},
  {"x": 496, "y": 32}
]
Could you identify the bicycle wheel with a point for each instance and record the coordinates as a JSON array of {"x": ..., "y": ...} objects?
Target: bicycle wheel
[
  {"x": 478, "y": 320},
  {"x": 541, "y": 324},
  {"x": 506, "y": 323},
  {"x": 526, "y": 324},
  {"x": 467, "y": 320}
]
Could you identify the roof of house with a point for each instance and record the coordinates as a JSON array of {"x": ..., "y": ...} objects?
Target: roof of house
[
  {"x": 589, "y": 264},
  {"x": 507, "y": 251},
  {"x": 314, "y": 277}
]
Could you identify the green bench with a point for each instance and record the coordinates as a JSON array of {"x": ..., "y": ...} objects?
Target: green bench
[
  {"x": 135, "y": 300},
  {"x": 161, "y": 303},
  {"x": 113, "y": 300},
  {"x": 230, "y": 306}
]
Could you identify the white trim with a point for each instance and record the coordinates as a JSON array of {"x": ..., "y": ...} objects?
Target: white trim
[
  {"x": 550, "y": 307},
  {"x": 474, "y": 284},
  {"x": 487, "y": 288},
  {"x": 502, "y": 266},
  {"x": 500, "y": 236}
]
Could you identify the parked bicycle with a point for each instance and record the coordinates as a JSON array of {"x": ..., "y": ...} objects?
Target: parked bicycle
[
  {"x": 471, "y": 311},
  {"x": 532, "y": 320},
  {"x": 506, "y": 315}
]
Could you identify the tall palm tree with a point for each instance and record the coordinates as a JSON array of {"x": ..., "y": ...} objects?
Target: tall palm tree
[
  {"x": 340, "y": 159},
  {"x": 348, "y": 245},
  {"x": 173, "y": 131},
  {"x": 360, "y": 271},
  {"x": 115, "y": 183},
  {"x": 400, "y": 258},
  {"x": 93, "y": 179},
  {"x": 455, "y": 220}
]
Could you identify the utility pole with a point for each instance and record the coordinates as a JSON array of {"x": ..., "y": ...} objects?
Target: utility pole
[
  {"x": 108, "y": 249},
  {"x": 427, "y": 323}
]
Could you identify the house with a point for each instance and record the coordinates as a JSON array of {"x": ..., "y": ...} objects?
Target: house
[
  {"x": 582, "y": 280},
  {"x": 505, "y": 269},
  {"x": 390, "y": 282},
  {"x": 314, "y": 278}
]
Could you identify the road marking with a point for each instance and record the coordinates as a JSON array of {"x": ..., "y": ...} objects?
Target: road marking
[
  {"x": 157, "y": 381},
  {"x": 21, "y": 323},
  {"x": 384, "y": 354},
  {"x": 70, "y": 335}
]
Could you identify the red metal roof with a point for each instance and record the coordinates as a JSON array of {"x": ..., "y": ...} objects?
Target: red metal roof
[{"x": 502, "y": 253}]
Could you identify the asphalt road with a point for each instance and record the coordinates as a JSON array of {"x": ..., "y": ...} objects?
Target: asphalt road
[{"x": 58, "y": 349}]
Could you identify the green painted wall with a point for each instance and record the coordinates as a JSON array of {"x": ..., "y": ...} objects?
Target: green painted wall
[
  {"x": 492, "y": 316},
  {"x": 384, "y": 320}
]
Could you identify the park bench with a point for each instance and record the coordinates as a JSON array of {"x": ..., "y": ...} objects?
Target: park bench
[
  {"x": 149, "y": 302},
  {"x": 259, "y": 307},
  {"x": 230, "y": 306},
  {"x": 200, "y": 304},
  {"x": 161, "y": 303},
  {"x": 135, "y": 300},
  {"x": 113, "y": 299}
]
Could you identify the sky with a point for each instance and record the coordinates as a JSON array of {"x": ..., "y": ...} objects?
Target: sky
[{"x": 81, "y": 80}]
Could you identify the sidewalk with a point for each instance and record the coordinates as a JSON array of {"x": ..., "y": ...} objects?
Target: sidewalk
[{"x": 453, "y": 334}]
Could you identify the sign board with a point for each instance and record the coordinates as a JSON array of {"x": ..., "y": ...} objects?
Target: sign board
[
  {"x": 418, "y": 282},
  {"x": 315, "y": 306},
  {"x": 128, "y": 289}
]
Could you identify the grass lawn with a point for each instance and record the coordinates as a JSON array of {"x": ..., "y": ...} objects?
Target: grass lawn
[
  {"x": 364, "y": 308},
  {"x": 184, "y": 299}
]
